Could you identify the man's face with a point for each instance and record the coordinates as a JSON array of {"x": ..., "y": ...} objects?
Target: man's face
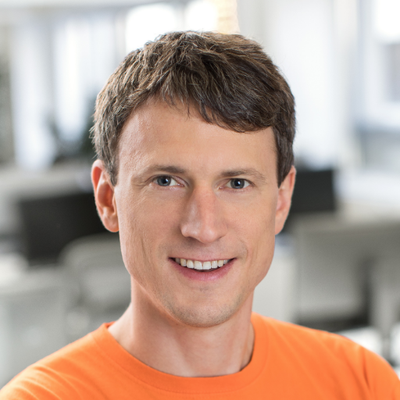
[{"x": 189, "y": 190}]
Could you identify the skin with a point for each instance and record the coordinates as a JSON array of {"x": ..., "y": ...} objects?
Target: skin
[{"x": 221, "y": 201}]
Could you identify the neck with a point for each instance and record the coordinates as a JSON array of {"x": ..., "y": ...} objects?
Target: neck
[{"x": 174, "y": 348}]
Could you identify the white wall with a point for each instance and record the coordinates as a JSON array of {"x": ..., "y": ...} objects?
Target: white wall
[
  {"x": 68, "y": 3},
  {"x": 310, "y": 40},
  {"x": 31, "y": 93}
]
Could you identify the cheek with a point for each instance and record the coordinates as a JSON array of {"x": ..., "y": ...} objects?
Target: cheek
[
  {"x": 142, "y": 217},
  {"x": 145, "y": 228},
  {"x": 259, "y": 219},
  {"x": 261, "y": 243}
]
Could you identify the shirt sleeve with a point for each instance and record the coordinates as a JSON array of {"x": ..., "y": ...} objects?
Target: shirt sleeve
[
  {"x": 11, "y": 392},
  {"x": 382, "y": 379},
  {"x": 37, "y": 386},
  {"x": 396, "y": 392}
]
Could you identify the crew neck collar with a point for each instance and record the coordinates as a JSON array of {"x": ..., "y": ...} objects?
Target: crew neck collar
[{"x": 114, "y": 352}]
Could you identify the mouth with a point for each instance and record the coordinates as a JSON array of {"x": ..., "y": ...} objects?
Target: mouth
[{"x": 203, "y": 266}]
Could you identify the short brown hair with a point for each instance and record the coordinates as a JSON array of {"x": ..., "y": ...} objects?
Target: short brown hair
[{"x": 227, "y": 78}]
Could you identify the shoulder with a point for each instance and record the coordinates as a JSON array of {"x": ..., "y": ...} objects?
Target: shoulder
[
  {"x": 317, "y": 343},
  {"x": 301, "y": 336},
  {"x": 329, "y": 353},
  {"x": 59, "y": 375}
]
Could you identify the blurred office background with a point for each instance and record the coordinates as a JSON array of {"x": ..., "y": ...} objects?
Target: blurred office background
[{"x": 337, "y": 262}]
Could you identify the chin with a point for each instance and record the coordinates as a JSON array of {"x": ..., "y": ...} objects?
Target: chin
[{"x": 205, "y": 316}]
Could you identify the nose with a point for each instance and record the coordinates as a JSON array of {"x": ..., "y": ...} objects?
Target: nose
[{"x": 203, "y": 218}]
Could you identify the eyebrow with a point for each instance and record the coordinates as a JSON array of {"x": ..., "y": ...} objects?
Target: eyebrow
[
  {"x": 172, "y": 169},
  {"x": 247, "y": 171}
]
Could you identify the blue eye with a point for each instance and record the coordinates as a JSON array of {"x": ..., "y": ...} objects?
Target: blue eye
[
  {"x": 165, "y": 180},
  {"x": 238, "y": 183}
]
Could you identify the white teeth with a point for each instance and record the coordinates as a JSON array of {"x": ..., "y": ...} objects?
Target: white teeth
[
  {"x": 207, "y": 265},
  {"x": 198, "y": 265}
]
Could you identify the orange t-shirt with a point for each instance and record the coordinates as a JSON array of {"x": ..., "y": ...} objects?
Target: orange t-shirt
[{"x": 288, "y": 362}]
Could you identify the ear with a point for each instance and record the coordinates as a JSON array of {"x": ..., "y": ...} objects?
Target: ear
[
  {"x": 104, "y": 196},
  {"x": 285, "y": 192}
]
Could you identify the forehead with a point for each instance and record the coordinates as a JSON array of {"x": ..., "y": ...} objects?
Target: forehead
[{"x": 157, "y": 131}]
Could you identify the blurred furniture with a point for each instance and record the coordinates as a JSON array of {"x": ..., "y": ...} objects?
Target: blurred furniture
[
  {"x": 17, "y": 183},
  {"x": 50, "y": 222},
  {"x": 43, "y": 309},
  {"x": 33, "y": 310},
  {"x": 314, "y": 192},
  {"x": 95, "y": 264},
  {"x": 346, "y": 267},
  {"x": 275, "y": 295}
]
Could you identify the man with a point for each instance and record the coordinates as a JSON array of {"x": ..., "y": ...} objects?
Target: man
[{"x": 194, "y": 138}]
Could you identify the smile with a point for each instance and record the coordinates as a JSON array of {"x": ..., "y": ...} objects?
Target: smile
[{"x": 201, "y": 266}]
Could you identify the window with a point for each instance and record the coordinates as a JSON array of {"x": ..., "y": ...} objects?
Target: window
[
  {"x": 70, "y": 57},
  {"x": 380, "y": 38},
  {"x": 379, "y": 84}
]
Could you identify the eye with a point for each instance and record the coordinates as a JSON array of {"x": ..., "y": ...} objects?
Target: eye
[
  {"x": 166, "y": 180},
  {"x": 237, "y": 183}
]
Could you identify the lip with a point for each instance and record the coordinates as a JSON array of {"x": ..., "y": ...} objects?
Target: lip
[{"x": 206, "y": 276}]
